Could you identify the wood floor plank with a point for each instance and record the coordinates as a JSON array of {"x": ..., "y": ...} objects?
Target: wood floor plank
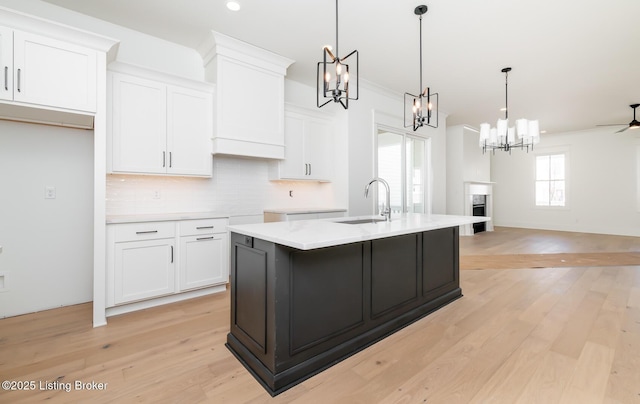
[
  {"x": 588, "y": 381},
  {"x": 549, "y": 380},
  {"x": 545, "y": 335}
]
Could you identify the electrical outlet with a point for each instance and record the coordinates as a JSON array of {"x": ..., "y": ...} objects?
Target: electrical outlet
[{"x": 49, "y": 192}]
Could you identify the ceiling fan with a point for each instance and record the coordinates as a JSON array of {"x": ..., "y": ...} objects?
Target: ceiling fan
[{"x": 635, "y": 124}]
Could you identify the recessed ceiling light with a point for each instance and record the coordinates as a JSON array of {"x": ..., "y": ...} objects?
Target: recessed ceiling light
[{"x": 233, "y": 5}]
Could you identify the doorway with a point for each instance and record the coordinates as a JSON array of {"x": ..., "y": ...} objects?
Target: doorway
[{"x": 403, "y": 160}]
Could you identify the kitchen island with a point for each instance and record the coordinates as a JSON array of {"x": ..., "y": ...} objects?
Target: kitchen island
[{"x": 307, "y": 294}]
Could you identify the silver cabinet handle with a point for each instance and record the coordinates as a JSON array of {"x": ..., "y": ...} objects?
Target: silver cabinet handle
[
  {"x": 204, "y": 238},
  {"x": 204, "y": 227},
  {"x": 6, "y": 77},
  {"x": 147, "y": 232},
  {"x": 309, "y": 168},
  {"x": 306, "y": 169},
  {"x": 172, "y": 254},
  {"x": 164, "y": 159},
  {"x": 170, "y": 160},
  {"x": 19, "y": 90}
]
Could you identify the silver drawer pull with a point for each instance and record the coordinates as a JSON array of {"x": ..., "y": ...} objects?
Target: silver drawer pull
[
  {"x": 19, "y": 89},
  {"x": 204, "y": 238},
  {"x": 204, "y": 227},
  {"x": 6, "y": 77},
  {"x": 147, "y": 232}
]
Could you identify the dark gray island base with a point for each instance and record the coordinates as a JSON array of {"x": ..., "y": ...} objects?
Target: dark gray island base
[{"x": 297, "y": 312}]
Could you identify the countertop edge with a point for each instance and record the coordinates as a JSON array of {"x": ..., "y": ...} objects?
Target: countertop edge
[
  {"x": 312, "y": 234},
  {"x": 298, "y": 211},
  {"x": 162, "y": 217}
]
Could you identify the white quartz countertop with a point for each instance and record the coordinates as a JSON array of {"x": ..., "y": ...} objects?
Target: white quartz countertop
[
  {"x": 159, "y": 217},
  {"x": 294, "y": 211},
  {"x": 310, "y": 234}
]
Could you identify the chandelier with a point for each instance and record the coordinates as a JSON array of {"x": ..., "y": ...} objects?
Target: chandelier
[
  {"x": 503, "y": 137},
  {"x": 423, "y": 107},
  {"x": 333, "y": 76}
]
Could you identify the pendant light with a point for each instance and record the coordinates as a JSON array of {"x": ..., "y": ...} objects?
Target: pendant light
[
  {"x": 421, "y": 110},
  {"x": 334, "y": 80},
  {"x": 503, "y": 137}
]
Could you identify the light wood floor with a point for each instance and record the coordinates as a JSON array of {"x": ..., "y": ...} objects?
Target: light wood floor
[{"x": 545, "y": 335}]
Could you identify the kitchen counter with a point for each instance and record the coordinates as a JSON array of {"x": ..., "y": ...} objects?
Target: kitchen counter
[
  {"x": 311, "y": 234},
  {"x": 159, "y": 217},
  {"x": 307, "y": 294},
  {"x": 303, "y": 210}
]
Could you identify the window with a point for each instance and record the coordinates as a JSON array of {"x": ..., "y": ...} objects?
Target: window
[
  {"x": 402, "y": 162},
  {"x": 550, "y": 180}
]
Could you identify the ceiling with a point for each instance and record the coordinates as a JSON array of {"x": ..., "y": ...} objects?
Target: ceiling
[{"x": 575, "y": 62}]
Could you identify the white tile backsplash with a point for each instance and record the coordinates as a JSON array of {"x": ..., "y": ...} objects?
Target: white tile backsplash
[{"x": 239, "y": 187}]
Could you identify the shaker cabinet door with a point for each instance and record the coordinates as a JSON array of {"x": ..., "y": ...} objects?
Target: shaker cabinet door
[
  {"x": 53, "y": 73},
  {"x": 139, "y": 125},
  {"x": 189, "y": 131},
  {"x": 203, "y": 261},
  {"x": 144, "y": 269},
  {"x": 6, "y": 63}
]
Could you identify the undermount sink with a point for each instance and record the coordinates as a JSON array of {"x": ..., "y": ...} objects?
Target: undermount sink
[{"x": 362, "y": 221}]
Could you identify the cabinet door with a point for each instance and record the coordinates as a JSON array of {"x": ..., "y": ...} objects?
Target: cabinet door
[
  {"x": 293, "y": 165},
  {"x": 139, "y": 129},
  {"x": 203, "y": 261},
  {"x": 318, "y": 143},
  {"x": 143, "y": 270},
  {"x": 6, "y": 63},
  {"x": 53, "y": 73},
  {"x": 189, "y": 131}
]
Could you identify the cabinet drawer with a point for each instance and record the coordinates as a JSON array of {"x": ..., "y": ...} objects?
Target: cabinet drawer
[
  {"x": 202, "y": 226},
  {"x": 144, "y": 231}
]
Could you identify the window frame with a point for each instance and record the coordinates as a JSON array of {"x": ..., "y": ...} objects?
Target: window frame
[{"x": 552, "y": 152}]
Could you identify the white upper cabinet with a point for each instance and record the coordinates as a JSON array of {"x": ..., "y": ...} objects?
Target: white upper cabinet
[
  {"x": 249, "y": 102},
  {"x": 139, "y": 134},
  {"x": 309, "y": 146},
  {"x": 45, "y": 72},
  {"x": 189, "y": 131},
  {"x": 158, "y": 127},
  {"x": 6, "y": 63}
]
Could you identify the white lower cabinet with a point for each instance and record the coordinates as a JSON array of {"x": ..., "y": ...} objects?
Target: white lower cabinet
[
  {"x": 143, "y": 269},
  {"x": 204, "y": 256},
  {"x": 150, "y": 260}
]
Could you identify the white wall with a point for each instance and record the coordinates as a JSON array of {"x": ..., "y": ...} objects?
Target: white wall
[
  {"x": 47, "y": 258},
  {"x": 465, "y": 162},
  {"x": 362, "y": 134},
  {"x": 603, "y": 176}
]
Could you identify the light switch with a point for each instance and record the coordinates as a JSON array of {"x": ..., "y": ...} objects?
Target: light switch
[{"x": 49, "y": 192}]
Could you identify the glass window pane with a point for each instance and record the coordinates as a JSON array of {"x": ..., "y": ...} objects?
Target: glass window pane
[
  {"x": 542, "y": 167},
  {"x": 557, "y": 167},
  {"x": 556, "y": 189},
  {"x": 415, "y": 175},
  {"x": 542, "y": 193},
  {"x": 390, "y": 168}
]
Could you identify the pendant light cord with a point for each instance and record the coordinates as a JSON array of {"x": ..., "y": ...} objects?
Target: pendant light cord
[
  {"x": 506, "y": 94},
  {"x": 421, "y": 90},
  {"x": 337, "y": 53}
]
